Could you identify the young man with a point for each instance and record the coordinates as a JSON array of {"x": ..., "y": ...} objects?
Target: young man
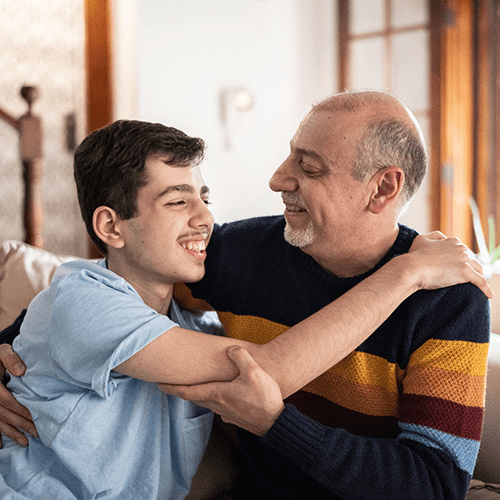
[{"x": 101, "y": 333}]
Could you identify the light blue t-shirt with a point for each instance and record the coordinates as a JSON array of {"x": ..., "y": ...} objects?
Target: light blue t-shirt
[{"x": 102, "y": 434}]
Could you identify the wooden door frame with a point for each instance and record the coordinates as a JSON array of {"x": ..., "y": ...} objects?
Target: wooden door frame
[
  {"x": 98, "y": 51},
  {"x": 464, "y": 90}
]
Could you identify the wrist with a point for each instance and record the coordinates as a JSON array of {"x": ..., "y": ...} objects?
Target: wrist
[{"x": 407, "y": 272}]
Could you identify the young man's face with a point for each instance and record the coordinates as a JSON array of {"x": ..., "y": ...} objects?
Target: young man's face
[{"x": 166, "y": 241}]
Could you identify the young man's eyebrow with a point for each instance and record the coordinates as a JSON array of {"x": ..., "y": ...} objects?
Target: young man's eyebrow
[
  {"x": 182, "y": 188},
  {"x": 179, "y": 188}
]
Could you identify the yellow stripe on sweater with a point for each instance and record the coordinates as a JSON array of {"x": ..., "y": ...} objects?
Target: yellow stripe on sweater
[
  {"x": 250, "y": 328},
  {"x": 368, "y": 369},
  {"x": 453, "y": 355},
  {"x": 358, "y": 367}
]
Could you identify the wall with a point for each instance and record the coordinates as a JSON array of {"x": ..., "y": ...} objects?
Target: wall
[
  {"x": 189, "y": 51},
  {"x": 186, "y": 52}
]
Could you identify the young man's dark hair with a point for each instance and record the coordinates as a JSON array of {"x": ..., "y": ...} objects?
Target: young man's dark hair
[{"x": 109, "y": 165}]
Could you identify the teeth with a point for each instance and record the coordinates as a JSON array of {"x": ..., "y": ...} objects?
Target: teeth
[
  {"x": 194, "y": 246},
  {"x": 294, "y": 208}
]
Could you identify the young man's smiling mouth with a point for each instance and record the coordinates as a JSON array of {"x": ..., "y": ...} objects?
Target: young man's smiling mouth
[{"x": 196, "y": 244}]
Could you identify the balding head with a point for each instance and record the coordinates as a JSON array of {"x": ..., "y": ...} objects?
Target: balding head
[{"x": 391, "y": 137}]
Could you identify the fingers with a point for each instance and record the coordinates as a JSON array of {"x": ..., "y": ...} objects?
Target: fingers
[
  {"x": 241, "y": 358},
  {"x": 435, "y": 235},
  {"x": 12, "y": 424},
  {"x": 196, "y": 393},
  {"x": 11, "y": 361},
  {"x": 15, "y": 418},
  {"x": 477, "y": 266},
  {"x": 476, "y": 278},
  {"x": 9, "y": 403},
  {"x": 14, "y": 434}
]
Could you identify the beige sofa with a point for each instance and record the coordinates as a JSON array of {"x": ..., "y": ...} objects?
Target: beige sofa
[{"x": 25, "y": 271}]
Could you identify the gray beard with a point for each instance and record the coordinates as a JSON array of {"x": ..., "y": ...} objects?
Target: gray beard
[{"x": 299, "y": 237}]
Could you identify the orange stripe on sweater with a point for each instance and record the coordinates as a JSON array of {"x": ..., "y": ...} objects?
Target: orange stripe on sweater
[
  {"x": 460, "y": 388},
  {"x": 371, "y": 400}
]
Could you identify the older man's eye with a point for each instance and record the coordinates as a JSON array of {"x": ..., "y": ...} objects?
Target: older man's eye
[
  {"x": 175, "y": 203},
  {"x": 310, "y": 170},
  {"x": 313, "y": 172}
]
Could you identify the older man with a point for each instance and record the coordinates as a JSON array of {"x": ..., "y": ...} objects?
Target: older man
[{"x": 400, "y": 417}]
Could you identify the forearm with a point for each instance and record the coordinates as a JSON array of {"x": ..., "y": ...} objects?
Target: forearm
[
  {"x": 439, "y": 413},
  {"x": 293, "y": 358},
  {"x": 183, "y": 357},
  {"x": 351, "y": 466},
  {"x": 314, "y": 345}
]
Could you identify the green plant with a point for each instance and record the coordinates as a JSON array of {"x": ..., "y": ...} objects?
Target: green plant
[{"x": 489, "y": 253}]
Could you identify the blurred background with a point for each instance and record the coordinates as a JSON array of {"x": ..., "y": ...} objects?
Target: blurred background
[{"x": 241, "y": 74}]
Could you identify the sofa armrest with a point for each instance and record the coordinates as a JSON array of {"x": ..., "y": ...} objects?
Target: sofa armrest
[
  {"x": 488, "y": 461},
  {"x": 24, "y": 272}
]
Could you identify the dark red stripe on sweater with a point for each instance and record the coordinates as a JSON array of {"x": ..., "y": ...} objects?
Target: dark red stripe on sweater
[
  {"x": 443, "y": 415},
  {"x": 327, "y": 413}
]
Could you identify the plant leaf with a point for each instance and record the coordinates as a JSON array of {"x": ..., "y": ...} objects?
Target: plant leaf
[{"x": 478, "y": 231}]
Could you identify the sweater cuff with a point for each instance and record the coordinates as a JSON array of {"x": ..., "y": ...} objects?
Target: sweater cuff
[
  {"x": 8, "y": 335},
  {"x": 296, "y": 436}
]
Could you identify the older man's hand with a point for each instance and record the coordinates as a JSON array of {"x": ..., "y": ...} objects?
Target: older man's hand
[
  {"x": 14, "y": 417},
  {"x": 251, "y": 401}
]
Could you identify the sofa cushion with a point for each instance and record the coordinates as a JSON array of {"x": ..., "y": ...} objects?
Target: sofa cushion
[
  {"x": 478, "y": 490},
  {"x": 488, "y": 461},
  {"x": 24, "y": 272}
]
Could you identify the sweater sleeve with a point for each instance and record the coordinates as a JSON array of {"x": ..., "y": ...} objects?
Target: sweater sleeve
[
  {"x": 8, "y": 335},
  {"x": 440, "y": 417}
]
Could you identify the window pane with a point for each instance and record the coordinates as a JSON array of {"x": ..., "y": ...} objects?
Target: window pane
[
  {"x": 367, "y": 64},
  {"x": 409, "y": 12},
  {"x": 366, "y": 16},
  {"x": 410, "y": 68}
]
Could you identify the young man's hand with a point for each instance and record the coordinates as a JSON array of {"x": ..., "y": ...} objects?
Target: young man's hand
[
  {"x": 251, "y": 401},
  {"x": 441, "y": 261},
  {"x": 14, "y": 417}
]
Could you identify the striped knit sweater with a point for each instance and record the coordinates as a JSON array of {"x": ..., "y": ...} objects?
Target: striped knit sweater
[{"x": 399, "y": 418}]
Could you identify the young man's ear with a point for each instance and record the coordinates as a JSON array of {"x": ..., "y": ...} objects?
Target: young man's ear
[
  {"x": 387, "y": 187},
  {"x": 107, "y": 227}
]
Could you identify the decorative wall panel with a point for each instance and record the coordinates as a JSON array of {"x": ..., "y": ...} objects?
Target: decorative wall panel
[{"x": 42, "y": 43}]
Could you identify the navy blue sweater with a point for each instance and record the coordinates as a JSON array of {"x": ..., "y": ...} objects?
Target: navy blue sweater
[{"x": 398, "y": 418}]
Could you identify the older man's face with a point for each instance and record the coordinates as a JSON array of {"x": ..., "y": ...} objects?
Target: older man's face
[{"x": 324, "y": 204}]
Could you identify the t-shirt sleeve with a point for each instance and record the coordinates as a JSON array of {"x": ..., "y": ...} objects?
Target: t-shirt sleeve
[{"x": 97, "y": 323}]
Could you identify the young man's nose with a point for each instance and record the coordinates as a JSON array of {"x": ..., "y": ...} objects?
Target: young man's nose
[{"x": 202, "y": 216}]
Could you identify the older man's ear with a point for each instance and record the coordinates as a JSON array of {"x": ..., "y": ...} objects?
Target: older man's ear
[{"x": 387, "y": 185}]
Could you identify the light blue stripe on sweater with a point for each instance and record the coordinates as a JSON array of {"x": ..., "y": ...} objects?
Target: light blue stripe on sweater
[{"x": 464, "y": 451}]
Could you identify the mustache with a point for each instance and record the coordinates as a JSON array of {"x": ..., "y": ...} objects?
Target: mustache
[
  {"x": 204, "y": 234},
  {"x": 293, "y": 199}
]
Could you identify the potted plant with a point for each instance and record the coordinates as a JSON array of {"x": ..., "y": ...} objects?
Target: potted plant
[{"x": 489, "y": 256}]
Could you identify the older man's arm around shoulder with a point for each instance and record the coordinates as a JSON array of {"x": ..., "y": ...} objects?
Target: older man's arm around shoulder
[{"x": 439, "y": 412}]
